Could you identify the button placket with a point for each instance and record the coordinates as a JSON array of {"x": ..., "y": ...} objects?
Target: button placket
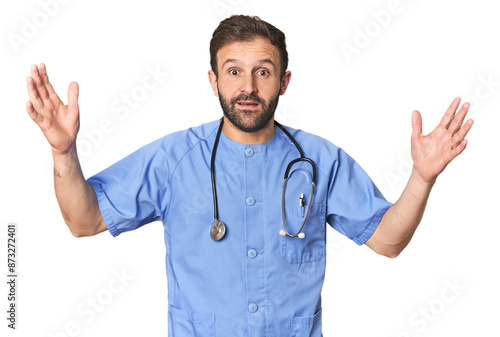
[{"x": 255, "y": 282}]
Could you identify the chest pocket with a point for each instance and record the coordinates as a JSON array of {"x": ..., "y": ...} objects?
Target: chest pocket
[{"x": 312, "y": 247}]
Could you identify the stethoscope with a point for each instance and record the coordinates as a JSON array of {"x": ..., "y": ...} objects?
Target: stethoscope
[{"x": 218, "y": 228}]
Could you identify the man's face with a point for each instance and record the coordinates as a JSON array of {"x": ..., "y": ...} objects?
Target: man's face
[{"x": 248, "y": 83}]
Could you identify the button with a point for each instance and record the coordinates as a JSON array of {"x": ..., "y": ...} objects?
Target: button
[
  {"x": 249, "y": 152},
  {"x": 253, "y": 307},
  {"x": 252, "y": 253},
  {"x": 250, "y": 201}
]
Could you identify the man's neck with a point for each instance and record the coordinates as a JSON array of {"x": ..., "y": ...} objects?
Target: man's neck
[{"x": 259, "y": 137}]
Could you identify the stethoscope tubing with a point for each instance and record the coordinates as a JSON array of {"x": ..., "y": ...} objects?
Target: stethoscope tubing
[
  {"x": 218, "y": 228},
  {"x": 212, "y": 170}
]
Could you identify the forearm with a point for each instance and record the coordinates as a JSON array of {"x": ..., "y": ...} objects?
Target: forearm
[
  {"x": 431, "y": 154},
  {"x": 76, "y": 197},
  {"x": 399, "y": 223}
]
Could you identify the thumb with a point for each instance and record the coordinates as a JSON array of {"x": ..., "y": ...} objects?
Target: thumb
[
  {"x": 73, "y": 92},
  {"x": 416, "y": 124}
]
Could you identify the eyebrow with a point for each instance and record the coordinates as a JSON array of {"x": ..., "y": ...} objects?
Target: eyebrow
[{"x": 259, "y": 62}]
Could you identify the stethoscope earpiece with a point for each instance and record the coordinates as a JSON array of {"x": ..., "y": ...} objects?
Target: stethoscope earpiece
[{"x": 300, "y": 235}]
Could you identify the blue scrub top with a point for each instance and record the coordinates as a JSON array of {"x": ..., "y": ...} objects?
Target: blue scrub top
[{"x": 253, "y": 282}]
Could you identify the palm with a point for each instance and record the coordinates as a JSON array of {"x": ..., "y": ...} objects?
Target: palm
[
  {"x": 58, "y": 122},
  {"x": 433, "y": 152}
]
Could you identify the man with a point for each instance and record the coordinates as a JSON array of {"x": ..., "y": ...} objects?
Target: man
[{"x": 237, "y": 275}]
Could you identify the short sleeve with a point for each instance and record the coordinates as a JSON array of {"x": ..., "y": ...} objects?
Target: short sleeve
[
  {"x": 355, "y": 204},
  {"x": 134, "y": 191}
]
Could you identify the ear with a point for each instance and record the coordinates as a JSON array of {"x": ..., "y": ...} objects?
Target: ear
[
  {"x": 212, "y": 78},
  {"x": 284, "y": 82}
]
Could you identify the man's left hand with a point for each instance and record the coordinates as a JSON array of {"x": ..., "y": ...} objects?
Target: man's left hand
[{"x": 431, "y": 153}]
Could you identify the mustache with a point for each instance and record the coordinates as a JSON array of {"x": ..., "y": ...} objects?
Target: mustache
[{"x": 247, "y": 97}]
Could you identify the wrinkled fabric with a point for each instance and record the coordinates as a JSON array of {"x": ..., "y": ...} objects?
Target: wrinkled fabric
[{"x": 254, "y": 282}]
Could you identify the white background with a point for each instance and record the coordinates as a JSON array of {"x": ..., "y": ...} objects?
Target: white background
[{"x": 420, "y": 57}]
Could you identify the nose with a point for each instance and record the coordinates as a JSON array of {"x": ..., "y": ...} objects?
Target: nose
[{"x": 248, "y": 84}]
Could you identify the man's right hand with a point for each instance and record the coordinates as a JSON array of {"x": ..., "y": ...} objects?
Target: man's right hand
[{"x": 59, "y": 123}]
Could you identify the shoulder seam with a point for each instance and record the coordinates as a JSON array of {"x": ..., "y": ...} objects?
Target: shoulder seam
[
  {"x": 189, "y": 150},
  {"x": 179, "y": 161}
]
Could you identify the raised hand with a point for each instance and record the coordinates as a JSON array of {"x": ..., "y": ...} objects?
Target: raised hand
[
  {"x": 433, "y": 152},
  {"x": 59, "y": 123}
]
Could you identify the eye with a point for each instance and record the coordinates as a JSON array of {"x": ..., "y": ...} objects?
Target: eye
[
  {"x": 263, "y": 72},
  {"x": 233, "y": 72}
]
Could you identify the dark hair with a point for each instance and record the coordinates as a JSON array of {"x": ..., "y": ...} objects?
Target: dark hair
[{"x": 246, "y": 28}]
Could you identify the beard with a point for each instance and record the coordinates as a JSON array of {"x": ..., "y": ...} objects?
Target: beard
[{"x": 248, "y": 120}]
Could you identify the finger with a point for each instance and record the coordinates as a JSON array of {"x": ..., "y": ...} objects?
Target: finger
[
  {"x": 45, "y": 79},
  {"x": 73, "y": 93},
  {"x": 450, "y": 113},
  {"x": 460, "y": 148},
  {"x": 462, "y": 133},
  {"x": 33, "y": 94},
  {"x": 37, "y": 79},
  {"x": 416, "y": 124},
  {"x": 35, "y": 116},
  {"x": 459, "y": 118}
]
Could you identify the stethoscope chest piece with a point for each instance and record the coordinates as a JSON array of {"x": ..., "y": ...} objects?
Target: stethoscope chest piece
[{"x": 217, "y": 230}]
